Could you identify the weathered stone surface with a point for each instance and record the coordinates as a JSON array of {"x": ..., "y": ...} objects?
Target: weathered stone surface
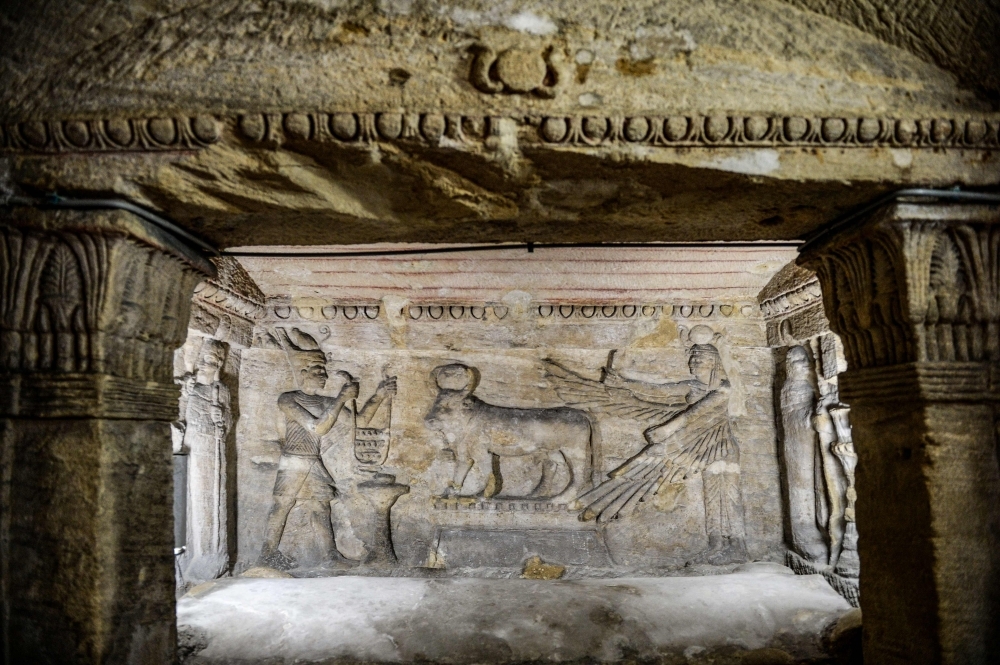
[
  {"x": 960, "y": 35},
  {"x": 718, "y": 619},
  {"x": 677, "y": 120},
  {"x": 913, "y": 293},
  {"x": 502, "y": 390},
  {"x": 93, "y": 305}
]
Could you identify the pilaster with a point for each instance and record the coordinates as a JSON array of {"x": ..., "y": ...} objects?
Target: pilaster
[
  {"x": 92, "y": 306},
  {"x": 914, "y": 293}
]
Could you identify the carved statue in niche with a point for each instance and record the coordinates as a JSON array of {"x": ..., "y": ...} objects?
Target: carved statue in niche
[
  {"x": 690, "y": 434},
  {"x": 819, "y": 458},
  {"x": 479, "y": 433},
  {"x": 803, "y": 463},
  {"x": 205, "y": 422},
  {"x": 313, "y": 423}
]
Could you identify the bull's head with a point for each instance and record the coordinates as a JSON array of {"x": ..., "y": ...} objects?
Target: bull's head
[{"x": 455, "y": 383}]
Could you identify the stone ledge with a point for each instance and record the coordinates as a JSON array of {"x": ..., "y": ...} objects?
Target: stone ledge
[{"x": 396, "y": 620}]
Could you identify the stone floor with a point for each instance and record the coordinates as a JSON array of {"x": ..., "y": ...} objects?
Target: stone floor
[{"x": 761, "y": 614}]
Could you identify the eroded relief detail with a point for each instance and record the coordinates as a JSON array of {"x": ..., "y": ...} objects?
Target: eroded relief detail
[
  {"x": 206, "y": 420},
  {"x": 690, "y": 434},
  {"x": 514, "y": 70},
  {"x": 313, "y": 423}
]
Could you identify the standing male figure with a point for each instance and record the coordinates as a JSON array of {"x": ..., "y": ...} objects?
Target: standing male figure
[
  {"x": 205, "y": 422},
  {"x": 309, "y": 418}
]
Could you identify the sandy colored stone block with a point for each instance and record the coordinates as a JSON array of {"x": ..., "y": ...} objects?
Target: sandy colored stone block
[{"x": 536, "y": 569}]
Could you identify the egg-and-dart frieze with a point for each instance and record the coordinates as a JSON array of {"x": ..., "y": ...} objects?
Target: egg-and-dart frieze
[{"x": 187, "y": 133}]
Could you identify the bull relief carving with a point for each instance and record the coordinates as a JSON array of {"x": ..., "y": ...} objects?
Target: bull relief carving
[
  {"x": 688, "y": 434},
  {"x": 555, "y": 440}
]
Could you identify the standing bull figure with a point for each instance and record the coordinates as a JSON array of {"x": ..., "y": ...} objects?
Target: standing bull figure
[{"x": 477, "y": 431}]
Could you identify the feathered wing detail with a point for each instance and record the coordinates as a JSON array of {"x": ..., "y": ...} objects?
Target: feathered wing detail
[
  {"x": 705, "y": 438},
  {"x": 583, "y": 393}
]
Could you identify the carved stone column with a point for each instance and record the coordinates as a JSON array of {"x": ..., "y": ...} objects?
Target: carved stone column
[
  {"x": 914, "y": 293},
  {"x": 92, "y": 306}
]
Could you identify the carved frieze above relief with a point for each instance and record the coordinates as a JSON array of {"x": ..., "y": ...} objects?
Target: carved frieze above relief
[
  {"x": 280, "y": 310},
  {"x": 461, "y": 130}
]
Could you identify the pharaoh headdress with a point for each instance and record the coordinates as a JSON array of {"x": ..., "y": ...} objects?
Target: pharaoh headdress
[{"x": 301, "y": 349}]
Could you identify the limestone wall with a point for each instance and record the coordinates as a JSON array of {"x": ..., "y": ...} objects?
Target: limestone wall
[{"x": 577, "y": 353}]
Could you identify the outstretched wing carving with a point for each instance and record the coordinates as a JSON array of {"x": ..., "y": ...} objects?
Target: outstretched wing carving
[
  {"x": 583, "y": 393},
  {"x": 703, "y": 439},
  {"x": 683, "y": 439}
]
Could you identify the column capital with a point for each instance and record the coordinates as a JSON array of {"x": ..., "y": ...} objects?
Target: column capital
[
  {"x": 92, "y": 306},
  {"x": 914, "y": 283}
]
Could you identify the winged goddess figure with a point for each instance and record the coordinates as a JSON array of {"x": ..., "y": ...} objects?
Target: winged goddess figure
[{"x": 688, "y": 433}]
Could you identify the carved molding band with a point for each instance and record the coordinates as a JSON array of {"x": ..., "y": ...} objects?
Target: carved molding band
[
  {"x": 498, "y": 506},
  {"x": 489, "y": 311},
  {"x": 78, "y": 395},
  {"x": 147, "y": 134},
  {"x": 938, "y": 381},
  {"x": 216, "y": 295},
  {"x": 454, "y": 129},
  {"x": 801, "y": 297}
]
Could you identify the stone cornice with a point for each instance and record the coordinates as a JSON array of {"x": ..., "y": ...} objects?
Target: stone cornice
[
  {"x": 801, "y": 297},
  {"x": 457, "y": 130},
  {"x": 229, "y": 301}
]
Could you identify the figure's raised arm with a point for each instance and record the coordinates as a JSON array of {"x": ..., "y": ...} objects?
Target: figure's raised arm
[
  {"x": 318, "y": 425},
  {"x": 386, "y": 389}
]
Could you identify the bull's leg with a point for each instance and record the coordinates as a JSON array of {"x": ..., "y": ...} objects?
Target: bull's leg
[
  {"x": 578, "y": 461},
  {"x": 463, "y": 464},
  {"x": 550, "y": 466}
]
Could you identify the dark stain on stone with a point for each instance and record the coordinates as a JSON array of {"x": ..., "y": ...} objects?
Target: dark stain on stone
[
  {"x": 399, "y": 76},
  {"x": 773, "y": 220},
  {"x": 630, "y": 67},
  {"x": 581, "y": 73},
  {"x": 605, "y": 616}
]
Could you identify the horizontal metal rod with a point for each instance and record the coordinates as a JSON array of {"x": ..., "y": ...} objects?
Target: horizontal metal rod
[
  {"x": 54, "y": 201},
  {"x": 846, "y": 221},
  {"x": 528, "y": 246}
]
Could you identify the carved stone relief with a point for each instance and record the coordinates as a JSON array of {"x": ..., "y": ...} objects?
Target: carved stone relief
[
  {"x": 202, "y": 430},
  {"x": 509, "y": 447},
  {"x": 610, "y": 435},
  {"x": 817, "y": 449}
]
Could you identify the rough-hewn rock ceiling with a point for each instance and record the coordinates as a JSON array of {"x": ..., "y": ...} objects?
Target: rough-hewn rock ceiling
[{"x": 323, "y": 121}]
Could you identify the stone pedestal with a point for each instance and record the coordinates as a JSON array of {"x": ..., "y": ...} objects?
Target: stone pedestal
[
  {"x": 92, "y": 306},
  {"x": 914, "y": 292},
  {"x": 382, "y": 491}
]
